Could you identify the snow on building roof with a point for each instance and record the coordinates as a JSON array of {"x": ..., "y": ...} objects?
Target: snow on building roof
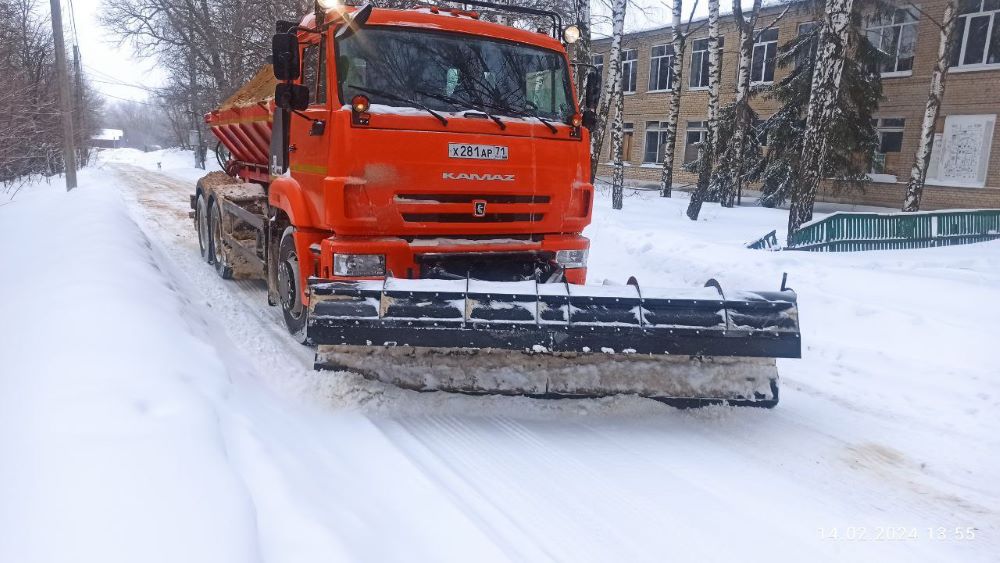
[{"x": 109, "y": 135}]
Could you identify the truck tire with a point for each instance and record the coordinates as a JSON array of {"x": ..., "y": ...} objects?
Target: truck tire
[
  {"x": 204, "y": 233},
  {"x": 218, "y": 251},
  {"x": 289, "y": 292}
]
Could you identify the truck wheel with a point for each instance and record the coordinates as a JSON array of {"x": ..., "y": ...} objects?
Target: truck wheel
[
  {"x": 289, "y": 286},
  {"x": 201, "y": 225},
  {"x": 218, "y": 253}
]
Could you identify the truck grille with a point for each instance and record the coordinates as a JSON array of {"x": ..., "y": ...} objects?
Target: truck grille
[
  {"x": 458, "y": 208},
  {"x": 470, "y": 218},
  {"x": 468, "y": 198}
]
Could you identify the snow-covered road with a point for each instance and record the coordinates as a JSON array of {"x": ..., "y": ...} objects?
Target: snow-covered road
[{"x": 227, "y": 446}]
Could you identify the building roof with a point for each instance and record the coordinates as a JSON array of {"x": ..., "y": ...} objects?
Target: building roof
[{"x": 108, "y": 135}]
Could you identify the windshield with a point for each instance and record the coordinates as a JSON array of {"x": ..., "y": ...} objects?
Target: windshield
[{"x": 451, "y": 72}]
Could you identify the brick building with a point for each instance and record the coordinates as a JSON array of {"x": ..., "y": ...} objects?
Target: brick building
[{"x": 965, "y": 164}]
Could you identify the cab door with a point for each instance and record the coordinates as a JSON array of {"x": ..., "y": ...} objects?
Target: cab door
[{"x": 309, "y": 144}]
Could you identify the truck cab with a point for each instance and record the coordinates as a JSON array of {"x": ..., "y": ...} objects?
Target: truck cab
[
  {"x": 415, "y": 144},
  {"x": 432, "y": 138}
]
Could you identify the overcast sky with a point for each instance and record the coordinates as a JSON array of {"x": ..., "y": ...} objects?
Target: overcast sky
[
  {"x": 104, "y": 61},
  {"x": 116, "y": 72}
]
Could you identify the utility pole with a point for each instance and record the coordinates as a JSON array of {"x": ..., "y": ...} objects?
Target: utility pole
[
  {"x": 65, "y": 103},
  {"x": 78, "y": 80}
]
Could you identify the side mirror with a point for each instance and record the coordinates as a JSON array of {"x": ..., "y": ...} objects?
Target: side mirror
[
  {"x": 285, "y": 56},
  {"x": 353, "y": 21},
  {"x": 592, "y": 96},
  {"x": 589, "y": 119},
  {"x": 291, "y": 96}
]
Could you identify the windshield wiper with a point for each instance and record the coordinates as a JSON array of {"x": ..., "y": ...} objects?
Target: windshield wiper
[
  {"x": 460, "y": 103},
  {"x": 391, "y": 96},
  {"x": 523, "y": 113}
]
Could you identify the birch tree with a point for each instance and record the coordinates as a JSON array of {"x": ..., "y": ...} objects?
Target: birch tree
[
  {"x": 825, "y": 89},
  {"x": 852, "y": 138},
  {"x": 707, "y": 150},
  {"x": 740, "y": 156},
  {"x": 582, "y": 48},
  {"x": 679, "y": 43},
  {"x": 612, "y": 84},
  {"x": 617, "y": 148},
  {"x": 922, "y": 158}
]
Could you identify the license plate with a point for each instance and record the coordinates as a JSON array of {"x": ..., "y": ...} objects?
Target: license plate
[{"x": 482, "y": 152}]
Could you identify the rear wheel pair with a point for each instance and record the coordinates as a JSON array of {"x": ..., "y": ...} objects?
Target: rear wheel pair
[{"x": 208, "y": 223}]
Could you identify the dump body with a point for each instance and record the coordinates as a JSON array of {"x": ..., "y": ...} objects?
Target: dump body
[{"x": 243, "y": 125}]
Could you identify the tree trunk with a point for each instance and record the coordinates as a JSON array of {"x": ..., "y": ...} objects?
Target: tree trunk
[
  {"x": 617, "y": 148},
  {"x": 827, "y": 73},
  {"x": 922, "y": 158},
  {"x": 674, "y": 108},
  {"x": 611, "y": 86},
  {"x": 707, "y": 151},
  {"x": 733, "y": 169},
  {"x": 582, "y": 49}
]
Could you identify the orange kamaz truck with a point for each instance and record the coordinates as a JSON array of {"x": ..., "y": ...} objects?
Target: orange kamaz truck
[{"x": 414, "y": 185}]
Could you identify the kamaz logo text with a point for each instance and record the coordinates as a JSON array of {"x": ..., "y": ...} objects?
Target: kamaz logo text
[{"x": 482, "y": 177}]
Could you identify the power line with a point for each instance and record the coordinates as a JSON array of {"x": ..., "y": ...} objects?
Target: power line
[
  {"x": 130, "y": 100},
  {"x": 72, "y": 22},
  {"x": 115, "y": 80},
  {"x": 126, "y": 84}
]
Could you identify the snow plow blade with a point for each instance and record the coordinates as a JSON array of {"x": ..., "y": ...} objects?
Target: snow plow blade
[{"x": 677, "y": 345}]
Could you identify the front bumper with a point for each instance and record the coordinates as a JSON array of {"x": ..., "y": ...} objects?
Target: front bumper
[{"x": 410, "y": 258}]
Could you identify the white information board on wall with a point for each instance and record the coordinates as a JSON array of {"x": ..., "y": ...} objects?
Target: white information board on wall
[{"x": 962, "y": 152}]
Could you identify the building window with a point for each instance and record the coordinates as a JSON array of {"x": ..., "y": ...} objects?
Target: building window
[
  {"x": 890, "y": 140},
  {"x": 628, "y": 131},
  {"x": 629, "y": 67},
  {"x": 661, "y": 68},
  {"x": 656, "y": 135},
  {"x": 890, "y": 134},
  {"x": 693, "y": 138},
  {"x": 807, "y": 55},
  {"x": 598, "y": 62},
  {"x": 977, "y": 34},
  {"x": 699, "y": 63},
  {"x": 762, "y": 63},
  {"x": 895, "y": 35}
]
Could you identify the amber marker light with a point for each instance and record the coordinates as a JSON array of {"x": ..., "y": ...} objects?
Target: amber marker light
[{"x": 360, "y": 104}]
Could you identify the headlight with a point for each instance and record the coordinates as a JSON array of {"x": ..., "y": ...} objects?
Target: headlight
[
  {"x": 359, "y": 265},
  {"x": 572, "y": 258},
  {"x": 571, "y": 34}
]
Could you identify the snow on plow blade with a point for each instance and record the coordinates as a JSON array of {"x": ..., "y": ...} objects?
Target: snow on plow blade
[{"x": 557, "y": 339}]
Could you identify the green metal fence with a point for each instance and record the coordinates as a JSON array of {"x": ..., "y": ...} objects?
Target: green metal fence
[
  {"x": 766, "y": 242},
  {"x": 845, "y": 232}
]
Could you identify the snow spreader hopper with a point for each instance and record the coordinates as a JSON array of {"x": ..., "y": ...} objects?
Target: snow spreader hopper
[{"x": 413, "y": 186}]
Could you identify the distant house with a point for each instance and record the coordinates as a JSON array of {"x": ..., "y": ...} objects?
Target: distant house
[{"x": 107, "y": 138}]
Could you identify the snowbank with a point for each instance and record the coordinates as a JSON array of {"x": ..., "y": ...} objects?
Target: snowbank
[{"x": 108, "y": 434}]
